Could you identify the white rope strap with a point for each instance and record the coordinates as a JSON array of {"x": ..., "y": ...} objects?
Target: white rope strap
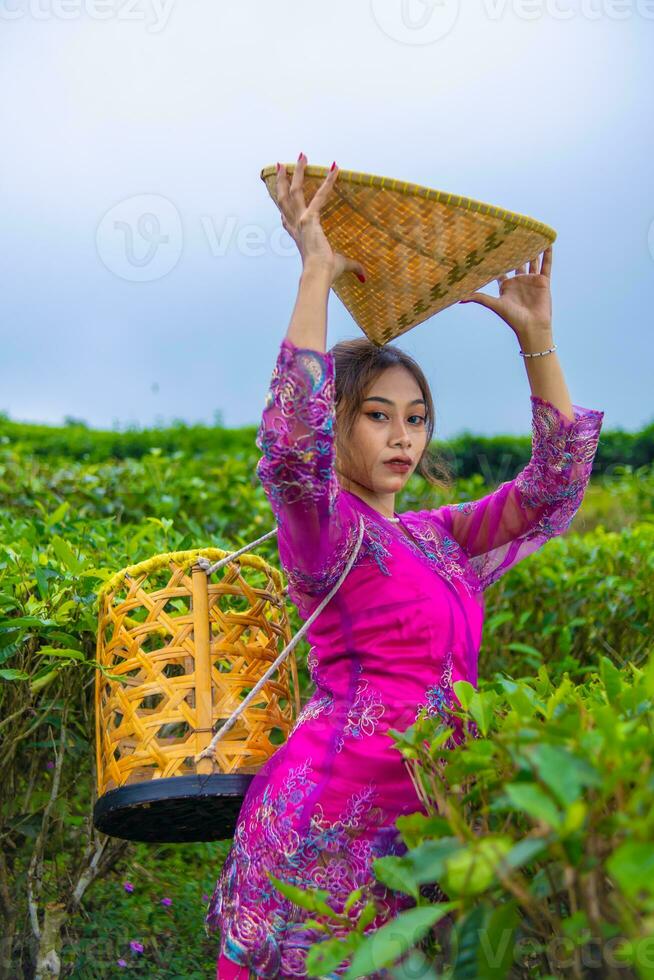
[{"x": 204, "y": 562}]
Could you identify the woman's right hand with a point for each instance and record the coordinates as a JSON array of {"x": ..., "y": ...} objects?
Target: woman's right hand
[{"x": 302, "y": 222}]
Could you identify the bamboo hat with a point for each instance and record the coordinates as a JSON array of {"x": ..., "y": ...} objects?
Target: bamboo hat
[{"x": 422, "y": 249}]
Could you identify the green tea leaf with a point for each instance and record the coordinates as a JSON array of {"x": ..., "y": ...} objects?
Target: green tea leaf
[
  {"x": 66, "y": 555},
  {"x": 534, "y": 801},
  {"x": 383, "y": 947},
  {"x": 11, "y": 674}
]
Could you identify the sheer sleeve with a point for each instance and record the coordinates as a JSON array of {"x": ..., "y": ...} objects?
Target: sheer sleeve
[
  {"x": 317, "y": 522},
  {"x": 500, "y": 529}
]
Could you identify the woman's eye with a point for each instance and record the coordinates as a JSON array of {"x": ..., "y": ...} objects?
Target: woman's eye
[{"x": 421, "y": 418}]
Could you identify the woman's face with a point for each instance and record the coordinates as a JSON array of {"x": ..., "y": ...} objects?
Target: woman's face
[{"x": 391, "y": 422}]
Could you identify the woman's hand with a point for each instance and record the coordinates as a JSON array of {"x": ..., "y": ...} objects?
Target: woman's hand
[
  {"x": 302, "y": 221},
  {"x": 525, "y": 300}
]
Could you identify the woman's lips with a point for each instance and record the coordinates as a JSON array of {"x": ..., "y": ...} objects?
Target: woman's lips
[{"x": 399, "y": 467}]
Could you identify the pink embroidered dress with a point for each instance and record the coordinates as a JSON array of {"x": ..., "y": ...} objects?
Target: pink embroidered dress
[{"x": 403, "y": 626}]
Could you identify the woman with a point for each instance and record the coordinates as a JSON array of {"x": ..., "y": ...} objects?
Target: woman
[{"x": 407, "y": 621}]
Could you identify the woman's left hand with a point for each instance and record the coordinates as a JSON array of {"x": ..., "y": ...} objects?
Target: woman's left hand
[{"x": 525, "y": 300}]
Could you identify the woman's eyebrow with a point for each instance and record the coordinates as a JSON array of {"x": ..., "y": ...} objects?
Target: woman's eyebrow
[{"x": 387, "y": 401}]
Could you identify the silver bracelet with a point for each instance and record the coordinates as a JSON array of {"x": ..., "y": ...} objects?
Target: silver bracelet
[{"x": 540, "y": 352}]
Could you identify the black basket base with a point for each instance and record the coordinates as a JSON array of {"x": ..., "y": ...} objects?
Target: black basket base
[{"x": 173, "y": 810}]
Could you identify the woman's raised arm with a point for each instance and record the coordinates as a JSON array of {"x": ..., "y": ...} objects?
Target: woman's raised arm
[
  {"x": 317, "y": 523},
  {"x": 540, "y": 502}
]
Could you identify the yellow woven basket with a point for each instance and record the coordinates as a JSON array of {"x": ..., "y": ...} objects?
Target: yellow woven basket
[
  {"x": 178, "y": 654},
  {"x": 423, "y": 249}
]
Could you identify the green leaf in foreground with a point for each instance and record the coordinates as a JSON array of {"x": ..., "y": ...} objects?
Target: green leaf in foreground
[
  {"x": 65, "y": 554},
  {"x": 313, "y": 899},
  {"x": 496, "y": 942},
  {"x": 325, "y": 956},
  {"x": 393, "y": 940},
  {"x": 11, "y": 674},
  {"x": 632, "y": 866},
  {"x": 67, "y": 652}
]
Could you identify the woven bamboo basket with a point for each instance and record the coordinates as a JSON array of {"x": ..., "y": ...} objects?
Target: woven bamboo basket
[
  {"x": 422, "y": 249},
  {"x": 179, "y": 653}
]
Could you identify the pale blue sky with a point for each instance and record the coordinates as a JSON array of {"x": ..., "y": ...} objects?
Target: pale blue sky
[{"x": 545, "y": 108}]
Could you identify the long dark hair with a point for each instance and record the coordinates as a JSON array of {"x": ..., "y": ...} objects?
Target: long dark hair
[{"x": 358, "y": 362}]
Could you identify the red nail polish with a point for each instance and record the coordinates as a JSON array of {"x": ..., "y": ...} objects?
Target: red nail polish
[
  {"x": 300, "y": 156},
  {"x": 278, "y": 167},
  {"x": 360, "y": 277},
  {"x": 333, "y": 166}
]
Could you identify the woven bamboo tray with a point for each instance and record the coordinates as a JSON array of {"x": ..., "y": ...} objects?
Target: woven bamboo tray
[
  {"x": 423, "y": 249},
  {"x": 182, "y": 652}
]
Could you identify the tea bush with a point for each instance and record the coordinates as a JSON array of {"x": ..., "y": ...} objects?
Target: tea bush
[{"x": 539, "y": 828}]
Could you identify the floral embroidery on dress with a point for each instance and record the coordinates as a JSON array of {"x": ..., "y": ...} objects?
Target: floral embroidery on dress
[
  {"x": 313, "y": 667},
  {"x": 440, "y": 549},
  {"x": 376, "y": 543},
  {"x": 332, "y": 854},
  {"x": 315, "y": 706},
  {"x": 440, "y": 696},
  {"x": 299, "y": 404},
  {"x": 364, "y": 714},
  {"x": 558, "y": 445},
  {"x": 375, "y": 549},
  {"x": 320, "y": 582}
]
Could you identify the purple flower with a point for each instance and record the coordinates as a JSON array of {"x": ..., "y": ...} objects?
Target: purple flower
[
  {"x": 121, "y": 962},
  {"x": 128, "y": 886},
  {"x": 167, "y": 902},
  {"x": 49, "y": 764},
  {"x": 136, "y": 947},
  {"x": 205, "y": 898}
]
